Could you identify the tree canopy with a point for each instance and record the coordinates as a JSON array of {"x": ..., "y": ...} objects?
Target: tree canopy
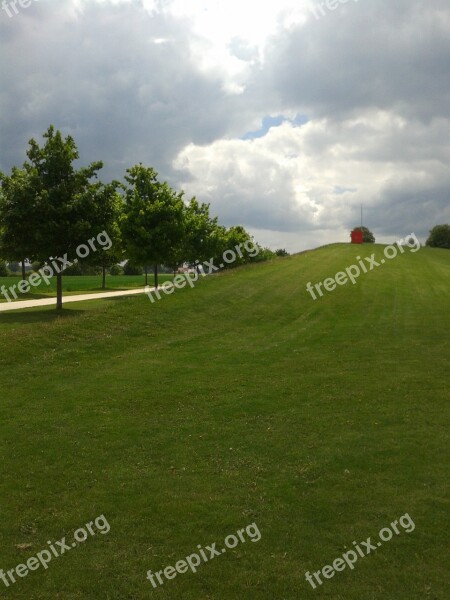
[
  {"x": 152, "y": 222},
  {"x": 439, "y": 237},
  {"x": 18, "y": 214},
  {"x": 49, "y": 208}
]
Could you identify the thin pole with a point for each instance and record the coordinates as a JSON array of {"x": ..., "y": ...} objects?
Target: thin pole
[{"x": 361, "y": 217}]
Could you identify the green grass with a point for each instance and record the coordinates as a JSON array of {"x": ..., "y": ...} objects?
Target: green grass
[
  {"x": 240, "y": 401},
  {"x": 81, "y": 285}
]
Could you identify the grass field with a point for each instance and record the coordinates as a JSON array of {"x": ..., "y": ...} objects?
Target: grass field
[
  {"x": 81, "y": 285},
  {"x": 240, "y": 401}
]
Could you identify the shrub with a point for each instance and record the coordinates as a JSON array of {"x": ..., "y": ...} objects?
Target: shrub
[
  {"x": 116, "y": 270},
  {"x": 130, "y": 269},
  {"x": 263, "y": 255}
]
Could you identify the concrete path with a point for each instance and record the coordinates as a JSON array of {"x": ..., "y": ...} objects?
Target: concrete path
[{"x": 4, "y": 306}]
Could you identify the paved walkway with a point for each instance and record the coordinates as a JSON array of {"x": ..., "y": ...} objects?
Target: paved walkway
[{"x": 76, "y": 298}]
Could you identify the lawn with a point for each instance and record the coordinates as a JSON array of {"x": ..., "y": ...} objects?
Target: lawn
[{"x": 239, "y": 401}]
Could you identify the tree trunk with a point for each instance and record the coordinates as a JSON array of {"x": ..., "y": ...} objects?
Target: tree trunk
[
  {"x": 146, "y": 275},
  {"x": 24, "y": 274},
  {"x": 156, "y": 276},
  {"x": 103, "y": 278},
  {"x": 59, "y": 291}
]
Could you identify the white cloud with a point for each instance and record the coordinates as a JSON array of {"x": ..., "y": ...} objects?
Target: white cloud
[
  {"x": 251, "y": 20},
  {"x": 314, "y": 177},
  {"x": 218, "y": 25}
]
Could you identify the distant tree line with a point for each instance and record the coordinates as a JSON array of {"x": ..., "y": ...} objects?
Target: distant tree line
[
  {"x": 48, "y": 208},
  {"x": 439, "y": 236}
]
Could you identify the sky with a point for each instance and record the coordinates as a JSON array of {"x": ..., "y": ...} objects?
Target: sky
[{"x": 286, "y": 116}]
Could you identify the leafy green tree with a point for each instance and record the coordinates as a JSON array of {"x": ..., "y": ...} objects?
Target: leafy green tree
[
  {"x": 152, "y": 222},
  {"x": 439, "y": 237},
  {"x": 203, "y": 238},
  {"x": 18, "y": 214},
  {"x": 238, "y": 236},
  {"x": 3, "y": 269},
  {"x": 281, "y": 252},
  {"x": 368, "y": 237},
  {"x": 108, "y": 210},
  {"x": 176, "y": 253},
  {"x": 64, "y": 203}
]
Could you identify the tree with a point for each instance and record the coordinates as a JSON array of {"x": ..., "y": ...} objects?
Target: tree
[
  {"x": 3, "y": 269},
  {"x": 64, "y": 203},
  {"x": 439, "y": 237},
  {"x": 108, "y": 210},
  {"x": 368, "y": 237},
  {"x": 152, "y": 222},
  {"x": 17, "y": 216},
  {"x": 238, "y": 236},
  {"x": 281, "y": 252},
  {"x": 203, "y": 237}
]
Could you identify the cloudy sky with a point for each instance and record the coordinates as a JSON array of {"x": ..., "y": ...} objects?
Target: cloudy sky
[{"x": 284, "y": 115}]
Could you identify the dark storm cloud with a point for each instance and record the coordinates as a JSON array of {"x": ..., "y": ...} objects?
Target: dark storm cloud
[
  {"x": 122, "y": 82},
  {"x": 372, "y": 78},
  {"x": 373, "y": 54}
]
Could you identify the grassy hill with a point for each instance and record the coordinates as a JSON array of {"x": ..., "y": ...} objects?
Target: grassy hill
[{"x": 240, "y": 401}]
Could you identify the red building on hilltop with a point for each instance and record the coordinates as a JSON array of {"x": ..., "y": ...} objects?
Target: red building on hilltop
[{"x": 357, "y": 236}]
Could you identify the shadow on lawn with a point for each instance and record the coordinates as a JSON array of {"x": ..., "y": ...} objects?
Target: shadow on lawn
[
  {"x": 36, "y": 316},
  {"x": 29, "y": 297}
]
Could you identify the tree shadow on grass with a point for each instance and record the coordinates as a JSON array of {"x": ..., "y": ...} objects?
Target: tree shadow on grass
[
  {"x": 30, "y": 316},
  {"x": 30, "y": 297},
  {"x": 123, "y": 298}
]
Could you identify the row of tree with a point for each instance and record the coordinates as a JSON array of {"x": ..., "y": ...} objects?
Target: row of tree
[
  {"x": 439, "y": 236},
  {"x": 48, "y": 208}
]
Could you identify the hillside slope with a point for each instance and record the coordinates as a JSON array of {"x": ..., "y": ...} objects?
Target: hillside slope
[{"x": 242, "y": 400}]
